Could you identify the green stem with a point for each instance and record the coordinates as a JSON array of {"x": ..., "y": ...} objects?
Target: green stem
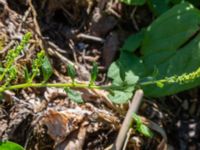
[
  {"x": 57, "y": 85},
  {"x": 4, "y": 73},
  {"x": 153, "y": 82}
]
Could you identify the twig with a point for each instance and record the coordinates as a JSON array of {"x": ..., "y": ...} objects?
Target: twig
[
  {"x": 37, "y": 27},
  {"x": 90, "y": 37},
  {"x": 72, "y": 47},
  {"x": 133, "y": 19},
  {"x": 10, "y": 44},
  {"x": 127, "y": 138},
  {"x": 127, "y": 121},
  {"x": 52, "y": 45},
  {"x": 63, "y": 59},
  {"x": 23, "y": 19}
]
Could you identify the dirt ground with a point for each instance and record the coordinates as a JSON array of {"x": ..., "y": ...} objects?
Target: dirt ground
[{"x": 81, "y": 32}]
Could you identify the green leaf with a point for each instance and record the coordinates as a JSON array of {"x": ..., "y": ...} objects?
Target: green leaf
[
  {"x": 119, "y": 97},
  {"x": 143, "y": 129},
  {"x": 194, "y": 2},
  {"x": 74, "y": 95},
  {"x": 185, "y": 22},
  {"x": 158, "y": 6},
  {"x": 137, "y": 119},
  {"x": 26, "y": 74},
  {"x": 10, "y": 146},
  {"x": 46, "y": 69},
  {"x": 140, "y": 127},
  {"x": 181, "y": 55},
  {"x": 133, "y": 42},
  {"x": 94, "y": 73},
  {"x": 179, "y": 26},
  {"x": 122, "y": 71},
  {"x": 71, "y": 71},
  {"x": 133, "y": 2}
]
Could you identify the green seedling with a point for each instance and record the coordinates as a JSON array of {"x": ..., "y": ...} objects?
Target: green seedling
[{"x": 142, "y": 128}]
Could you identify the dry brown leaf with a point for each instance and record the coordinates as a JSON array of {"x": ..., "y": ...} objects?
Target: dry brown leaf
[
  {"x": 74, "y": 141},
  {"x": 60, "y": 125}
]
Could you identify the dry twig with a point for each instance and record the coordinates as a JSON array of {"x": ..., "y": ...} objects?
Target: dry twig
[{"x": 127, "y": 121}]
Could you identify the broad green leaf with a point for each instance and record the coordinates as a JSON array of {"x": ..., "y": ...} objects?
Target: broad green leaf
[
  {"x": 181, "y": 55},
  {"x": 94, "y": 73},
  {"x": 46, "y": 68},
  {"x": 196, "y": 3},
  {"x": 71, "y": 71},
  {"x": 158, "y": 6},
  {"x": 10, "y": 146},
  {"x": 74, "y": 95},
  {"x": 133, "y": 2},
  {"x": 175, "y": 26},
  {"x": 120, "y": 97},
  {"x": 171, "y": 46},
  {"x": 133, "y": 42},
  {"x": 176, "y": 1},
  {"x": 186, "y": 60}
]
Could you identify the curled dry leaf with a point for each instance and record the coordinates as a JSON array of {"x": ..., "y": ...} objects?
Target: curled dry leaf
[
  {"x": 60, "y": 124},
  {"x": 75, "y": 140}
]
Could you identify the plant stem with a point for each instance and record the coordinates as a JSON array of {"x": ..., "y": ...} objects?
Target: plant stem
[
  {"x": 57, "y": 85},
  {"x": 153, "y": 82}
]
